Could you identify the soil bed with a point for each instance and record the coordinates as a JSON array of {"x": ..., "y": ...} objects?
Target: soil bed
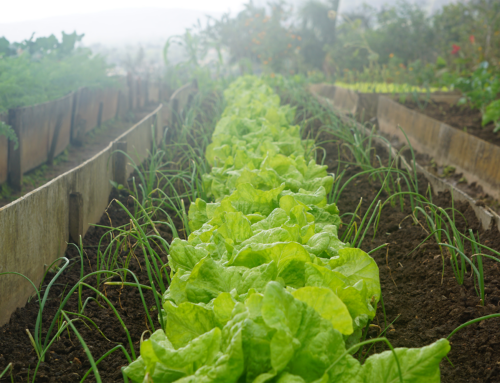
[
  {"x": 66, "y": 360},
  {"x": 427, "y": 306},
  {"x": 458, "y": 116},
  {"x": 447, "y": 172}
]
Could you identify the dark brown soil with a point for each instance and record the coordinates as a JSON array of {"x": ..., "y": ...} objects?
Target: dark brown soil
[
  {"x": 447, "y": 172},
  {"x": 458, "y": 116},
  {"x": 424, "y": 303},
  {"x": 427, "y": 305},
  {"x": 66, "y": 360}
]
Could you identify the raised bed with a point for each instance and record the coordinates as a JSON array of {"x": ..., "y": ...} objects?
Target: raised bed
[
  {"x": 474, "y": 158},
  {"x": 426, "y": 305},
  {"x": 34, "y": 229},
  {"x": 45, "y": 130},
  {"x": 423, "y": 309},
  {"x": 460, "y": 117}
]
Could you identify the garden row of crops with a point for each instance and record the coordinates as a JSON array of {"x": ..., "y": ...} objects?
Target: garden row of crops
[
  {"x": 263, "y": 289},
  {"x": 479, "y": 91},
  {"x": 265, "y": 240},
  {"x": 245, "y": 254}
]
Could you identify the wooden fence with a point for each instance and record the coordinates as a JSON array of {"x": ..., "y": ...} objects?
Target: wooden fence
[
  {"x": 35, "y": 229},
  {"x": 3, "y": 153},
  {"x": 45, "y": 130}
]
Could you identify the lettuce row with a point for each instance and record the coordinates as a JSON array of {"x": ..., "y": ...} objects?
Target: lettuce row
[{"x": 263, "y": 290}]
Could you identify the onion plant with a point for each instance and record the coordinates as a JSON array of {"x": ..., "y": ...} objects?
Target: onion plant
[
  {"x": 78, "y": 289},
  {"x": 5, "y": 371},
  {"x": 36, "y": 339}
]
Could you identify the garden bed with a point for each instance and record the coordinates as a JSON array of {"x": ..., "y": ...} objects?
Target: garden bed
[
  {"x": 421, "y": 304},
  {"x": 425, "y": 303},
  {"x": 447, "y": 173},
  {"x": 458, "y": 116},
  {"x": 66, "y": 360},
  {"x": 465, "y": 161},
  {"x": 423, "y": 309}
]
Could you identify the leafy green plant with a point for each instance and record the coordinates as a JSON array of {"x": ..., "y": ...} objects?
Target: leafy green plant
[
  {"x": 480, "y": 88},
  {"x": 42, "y": 46},
  {"x": 276, "y": 335},
  {"x": 492, "y": 114},
  {"x": 7, "y": 131},
  {"x": 263, "y": 280}
]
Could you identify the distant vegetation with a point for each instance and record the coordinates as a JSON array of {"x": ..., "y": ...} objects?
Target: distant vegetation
[
  {"x": 458, "y": 47},
  {"x": 44, "y": 69}
]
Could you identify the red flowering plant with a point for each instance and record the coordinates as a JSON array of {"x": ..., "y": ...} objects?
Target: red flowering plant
[{"x": 455, "y": 49}]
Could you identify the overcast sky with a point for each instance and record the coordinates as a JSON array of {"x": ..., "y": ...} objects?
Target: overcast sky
[
  {"x": 118, "y": 21},
  {"x": 24, "y": 10}
]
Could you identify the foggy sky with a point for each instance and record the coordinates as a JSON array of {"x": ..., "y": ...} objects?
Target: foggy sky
[{"x": 120, "y": 21}]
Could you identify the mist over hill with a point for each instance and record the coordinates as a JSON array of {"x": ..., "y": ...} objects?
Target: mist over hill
[
  {"x": 120, "y": 26},
  {"x": 150, "y": 25},
  {"x": 125, "y": 35}
]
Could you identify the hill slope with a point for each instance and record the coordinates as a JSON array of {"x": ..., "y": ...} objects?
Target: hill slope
[{"x": 118, "y": 26}]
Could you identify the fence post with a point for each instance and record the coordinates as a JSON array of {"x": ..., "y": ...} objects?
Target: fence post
[
  {"x": 130, "y": 84},
  {"x": 73, "y": 117},
  {"x": 15, "y": 157},
  {"x": 99, "y": 114},
  {"x": 55, "y": 138},
  {"x": 118, "y": 101},
  {"x": 120, "y": 162},
  {"x": 75, "y": 216}
]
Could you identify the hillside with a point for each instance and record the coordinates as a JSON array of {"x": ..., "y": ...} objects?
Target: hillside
[{"x": 119, "y": 26}]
